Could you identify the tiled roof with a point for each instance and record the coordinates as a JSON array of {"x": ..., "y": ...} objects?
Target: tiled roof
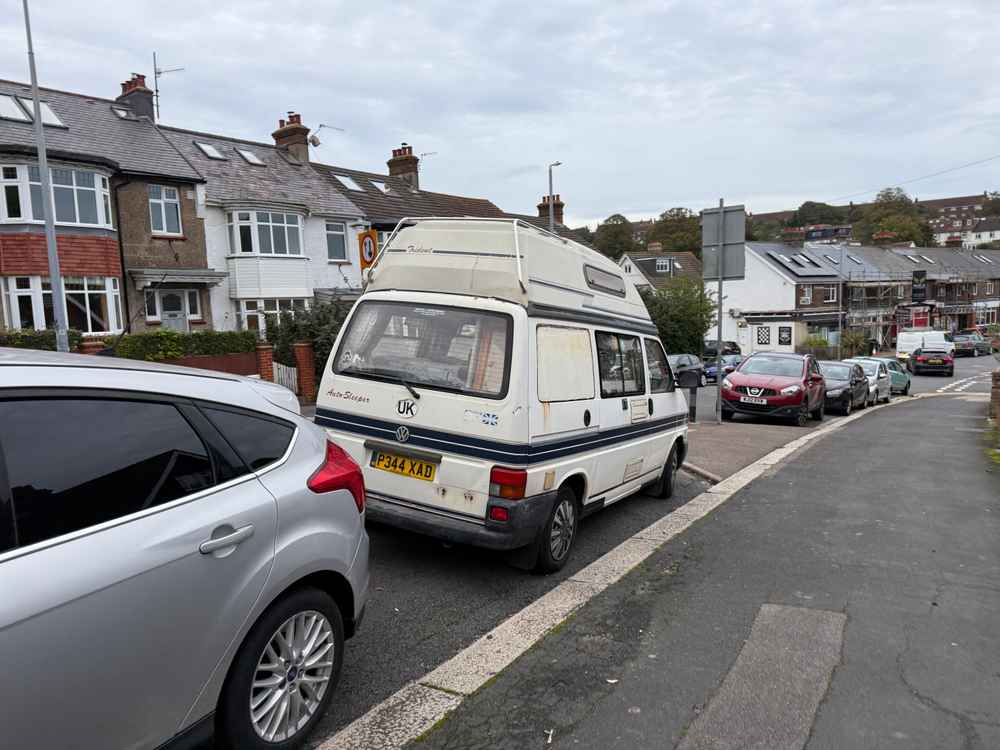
[
  {"x": 400, "y": 200},
  {"x": 280, "y": 181},
  {"x": 989, "y": 224},
  {"x": 93, "y": 130},
  {"x": 685, "y": 265}
]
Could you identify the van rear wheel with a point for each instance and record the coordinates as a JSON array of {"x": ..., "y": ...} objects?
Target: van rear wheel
[{"x": 559, "y": 533}]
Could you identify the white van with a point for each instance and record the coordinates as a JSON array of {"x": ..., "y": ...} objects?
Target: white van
[
  {"x": 497, "y": 382},
  {"x": 910, "y": 339}
]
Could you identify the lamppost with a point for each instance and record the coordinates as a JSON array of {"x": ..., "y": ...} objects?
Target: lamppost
[
  {"x": 552, "y": 208},
  {"x": 55, "y": 279}
]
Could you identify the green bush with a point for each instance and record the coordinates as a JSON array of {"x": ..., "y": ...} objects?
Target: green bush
[
  {"x": 156, "y": 346},
  {"x": 31, "y": 339},
  {"x": 319, "y": 325},
  {"x": 815, "y": 341},
  {"x": 682, "y": 312},
  {"x": 854, "y": 343}
]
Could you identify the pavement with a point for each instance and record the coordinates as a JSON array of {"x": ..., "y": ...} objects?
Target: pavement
[{"x": 847, "y": 598}]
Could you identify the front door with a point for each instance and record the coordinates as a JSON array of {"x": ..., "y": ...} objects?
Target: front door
[
  {"x": 113, "y": 605},
  {"x": 172, "y": 312}
]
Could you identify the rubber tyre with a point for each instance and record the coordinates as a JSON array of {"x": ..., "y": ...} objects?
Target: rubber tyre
[
  {"x": 906, "y": 391},
  {"x": 975, "y": 352},
  {"x": 888, "y": 397},
  {"x": 664, "y": 486},
  {"x": 727, "y": 416},
  {"x": 819, "y": 412},
  {"x": 848, "y": 406},
  {"x": 802, "y": 419},
  {"x": 546, "y": 563},
  {"x": 233, "y": 728}
]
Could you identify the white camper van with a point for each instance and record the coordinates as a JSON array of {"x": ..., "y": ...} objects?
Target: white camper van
[{"x": 496, "y": 383}]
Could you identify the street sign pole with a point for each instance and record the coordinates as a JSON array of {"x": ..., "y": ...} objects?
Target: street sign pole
[
  {"x": 55, "y": 279},
  {"x": 718, "y": 316}
]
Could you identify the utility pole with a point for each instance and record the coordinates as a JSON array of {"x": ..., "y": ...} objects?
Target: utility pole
[
  {"x": 718, "y": 315},
  {"x": 552, "y": 207},
  {"x": 840, "y": 305},
  {"x": 55, "y": 278}
]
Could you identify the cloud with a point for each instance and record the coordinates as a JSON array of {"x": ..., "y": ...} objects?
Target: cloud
[{"x": 647, "y": 104}]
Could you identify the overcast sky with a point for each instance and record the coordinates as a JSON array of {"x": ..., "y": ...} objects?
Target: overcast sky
[{"x": 649, "y": 105}]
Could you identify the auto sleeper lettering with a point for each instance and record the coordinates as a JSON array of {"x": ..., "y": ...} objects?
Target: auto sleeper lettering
[{"x": 358, "y": 398}]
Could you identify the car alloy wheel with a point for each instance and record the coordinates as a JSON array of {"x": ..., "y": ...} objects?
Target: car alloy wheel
[
  {"x": 803, "y": 417},
  {"x": 292, "y": 676},
  {"x": 562, "y": 530},
  {"x": 847, "y": 407}
]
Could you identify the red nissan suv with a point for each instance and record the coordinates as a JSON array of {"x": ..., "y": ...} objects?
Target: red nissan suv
[{"x": 774, "y": 384}]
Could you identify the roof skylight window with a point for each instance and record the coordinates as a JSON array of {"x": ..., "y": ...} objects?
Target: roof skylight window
[
  {"x": 250, "y": 157},
  {"x": 912, "y": 259},
  {"x": 832, "y": 260},
  {"x": 932, "y": 262},
  {"x": 121, "y": 112},
  {"x": 379, "y": 185},
  {"x": 10, "y": 110},
  {"x": 348, "y": 183},
  {"x": 210, "y": 151},
  {"x": 48, "y": 116},
  {"x": 855, "y": 259}
]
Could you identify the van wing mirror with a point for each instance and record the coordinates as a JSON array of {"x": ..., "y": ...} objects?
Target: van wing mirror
[{"x": 688, "y": 379}]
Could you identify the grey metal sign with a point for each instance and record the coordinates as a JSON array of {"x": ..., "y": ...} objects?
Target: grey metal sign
[
  {"x": 734, "y": 225},
  {"x": 919, "y": 289}
]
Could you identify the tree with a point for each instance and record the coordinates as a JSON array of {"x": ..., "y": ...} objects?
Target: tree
[
  {"x": 682, "y": 313},
  {"x": 763, "y": 231},
  {"x": 991, "y": 206},
  {"x": 894, "y": 211},
  {"x": 812, "y": 212},
  {"x": 584, "y": 235},
  {"x": 677, "y": 229},
  {"x": 614, "y": 237}
]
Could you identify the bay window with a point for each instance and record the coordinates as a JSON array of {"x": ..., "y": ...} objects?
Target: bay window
[
  {"x": 79, "y": 196},
  {"x": 265, "y": 233},
  {"x": 253, "y": 312},
  {"x": 164, "y": 210},
  {"x": 93, "y": 303}
]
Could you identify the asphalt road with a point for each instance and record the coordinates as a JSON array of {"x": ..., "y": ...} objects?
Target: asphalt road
[
  {"x": 429, "y": 600},
  {"x": 847, "y": 599}
]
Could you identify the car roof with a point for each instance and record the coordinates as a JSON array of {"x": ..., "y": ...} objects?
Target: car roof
[
  {"x": 786, "y": 355},
  {"x": 32, "y": 368}
]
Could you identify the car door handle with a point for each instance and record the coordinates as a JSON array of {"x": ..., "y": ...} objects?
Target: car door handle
[{"x": 229, "y": 540}]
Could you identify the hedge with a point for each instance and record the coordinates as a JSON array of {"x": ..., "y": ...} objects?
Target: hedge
[
  {"x": 319, "y": 325},
  {"x": 31, "y": 339},
  {"x": 156, "y": 346}
]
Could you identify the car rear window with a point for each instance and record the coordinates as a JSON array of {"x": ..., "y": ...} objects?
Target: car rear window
[
  {"x": 836, "y": 372},
  {"x": 258, "y": 440}
]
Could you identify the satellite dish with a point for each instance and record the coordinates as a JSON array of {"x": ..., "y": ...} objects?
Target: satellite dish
[{"x": 314, "y": 140}]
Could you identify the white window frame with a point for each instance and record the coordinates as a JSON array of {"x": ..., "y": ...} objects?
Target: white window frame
[
  {"x": 663, "y": 265},
  {"x": 191, "y": 312},
  {"x": 210, "y": 151},
  {"x": 334, "y": 232},
  {"x": 158, "y": 206},
  {"x": 103, "y": 285},
  {"x": 989, "y": 288},
  {"x": 267, "y": 306},
  {"x": 252, "y": 218},
  {"x": 806, "y": 294},
  {"x": 30, "y": 189},
  {"x": 830, "y": 295}
]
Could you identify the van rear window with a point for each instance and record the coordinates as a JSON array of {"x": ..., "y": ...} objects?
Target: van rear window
[{"x": 430, "y": 346}]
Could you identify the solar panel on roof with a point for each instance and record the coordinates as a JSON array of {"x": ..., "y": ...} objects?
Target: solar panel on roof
[{"x": 797, "y": 267}]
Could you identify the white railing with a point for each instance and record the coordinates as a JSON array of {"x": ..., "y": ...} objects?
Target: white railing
[{"x": 286, "y": 376}]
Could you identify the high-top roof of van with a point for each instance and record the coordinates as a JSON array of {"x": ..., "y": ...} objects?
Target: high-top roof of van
[{"x": 512, "y": 260}]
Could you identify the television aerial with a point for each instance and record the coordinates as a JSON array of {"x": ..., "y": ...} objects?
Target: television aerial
[{"x": 314, "y": 138}]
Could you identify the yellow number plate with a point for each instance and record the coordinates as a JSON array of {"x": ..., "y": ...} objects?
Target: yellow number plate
[
  {"x": 935, "y": 361},
  {"x": 408, "y": 467}
]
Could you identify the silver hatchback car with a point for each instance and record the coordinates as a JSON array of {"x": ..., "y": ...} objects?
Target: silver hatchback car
[{"x": 181, "y": 555}]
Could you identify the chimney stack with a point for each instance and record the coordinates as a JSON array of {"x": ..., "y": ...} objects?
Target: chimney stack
[
  {"x": 292, "y": 136},
  {"x": 137, "y": 97},
  {"x": 543, "y": 208},
  {"x": 404, "y": 165}
]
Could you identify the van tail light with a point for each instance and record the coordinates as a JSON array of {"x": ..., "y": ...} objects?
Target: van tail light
[
  {"x": 508, "y": 483},
  {"x": 339, "y": 472}
]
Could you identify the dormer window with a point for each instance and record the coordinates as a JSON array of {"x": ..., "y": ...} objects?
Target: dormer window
[{"x": 210, "y": 151}]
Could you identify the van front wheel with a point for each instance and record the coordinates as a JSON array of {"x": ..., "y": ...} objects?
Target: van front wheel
[
  {"x": 664, "y": 486},
  {"x": 559, "y": 533}
]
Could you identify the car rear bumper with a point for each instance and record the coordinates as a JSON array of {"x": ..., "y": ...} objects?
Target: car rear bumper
[
  {"x": 919, "y": 368},
  {"x": 525, "y": 518}
]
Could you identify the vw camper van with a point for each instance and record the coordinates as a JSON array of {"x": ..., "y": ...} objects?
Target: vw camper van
[{"x": 496, "y": 383}]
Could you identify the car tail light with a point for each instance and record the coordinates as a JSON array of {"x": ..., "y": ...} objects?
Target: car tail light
[
  {"x": 508, "y": 483},
  {"x": 339, "y": 472},
  {"x": 921, "y": 359},
  {"x": 948, "y": 359},
  {"x": 499, "y": 513}
]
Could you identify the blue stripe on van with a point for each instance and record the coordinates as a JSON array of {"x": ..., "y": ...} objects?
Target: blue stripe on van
[{"x": 513, "y": 453}]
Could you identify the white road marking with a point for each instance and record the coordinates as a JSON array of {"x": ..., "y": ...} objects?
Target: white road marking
[{"x": 419, "y": 705}]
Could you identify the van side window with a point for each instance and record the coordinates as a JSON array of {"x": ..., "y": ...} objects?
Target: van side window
[
  {"x": 135, "y": 455},
  {"x": 603, "y": 281},
  {"x": 565, "y": 364},
  {"x": 620, "y": 360},
  {"x": 661, "y": 380}
]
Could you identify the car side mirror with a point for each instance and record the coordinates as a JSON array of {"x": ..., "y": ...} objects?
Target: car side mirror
[{"x": 688, "y": 379}]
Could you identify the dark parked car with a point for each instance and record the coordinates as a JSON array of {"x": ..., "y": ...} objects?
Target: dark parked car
[
  {"x": 776, "y": 385},
  {"x": 728, "y": 347},
  {"x": 846, "y": 386},
  {"x": 684, "y": 362},
  {"x": 931, "y": 360},
  {"x": 729, "y": 363},
  {"x": 971, "y": 344}
]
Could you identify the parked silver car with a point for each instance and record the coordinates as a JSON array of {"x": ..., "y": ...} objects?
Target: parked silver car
[
  {"x": 879, "y": 380},
  {"x": 181, "y": 553}
]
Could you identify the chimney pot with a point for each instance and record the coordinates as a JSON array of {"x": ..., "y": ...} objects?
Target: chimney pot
[
  {"x": 293, "y": 137},
  {"x": 557, "y": 208},
  {"x": 137, "y": 96}
]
